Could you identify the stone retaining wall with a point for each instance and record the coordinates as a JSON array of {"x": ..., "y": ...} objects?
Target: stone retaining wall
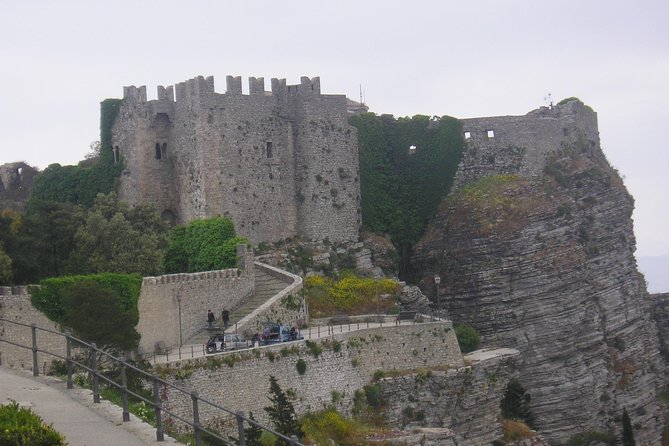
[{"x": 346, "y": 363}]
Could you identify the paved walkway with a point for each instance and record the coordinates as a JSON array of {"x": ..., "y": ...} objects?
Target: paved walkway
[{"x": 73, "y": 413}]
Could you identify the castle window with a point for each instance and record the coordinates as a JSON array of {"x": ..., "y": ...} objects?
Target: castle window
[
  {"x": 491, "y": 133},
  {"x": 468, "y": 135},
  {"x": 164, "y": 150},
  {"x": 158, "y": 154},
  {"x": 412, "y": 149},
  {"x": 269, "y": 149}
]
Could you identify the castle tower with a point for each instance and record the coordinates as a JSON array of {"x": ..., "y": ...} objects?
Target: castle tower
[{"x": 280, "y": 164}]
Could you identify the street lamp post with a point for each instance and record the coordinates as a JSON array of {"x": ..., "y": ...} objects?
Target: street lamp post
[
  {"x": 437, "y": 281},
  {"x": 376, "y": 292}
]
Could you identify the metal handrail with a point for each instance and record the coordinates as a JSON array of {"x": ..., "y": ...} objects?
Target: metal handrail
[{"x": 156, "y": 403}]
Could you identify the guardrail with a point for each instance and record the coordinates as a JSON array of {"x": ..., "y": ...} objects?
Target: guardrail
[
  {"x": 334, "y": 326},
  {"x": 92, "y": 353}
]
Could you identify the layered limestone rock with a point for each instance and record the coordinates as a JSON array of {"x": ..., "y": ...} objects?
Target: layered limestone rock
[
  {"x": 463, "y": 402},
  {"x": 539, "y": 256}
]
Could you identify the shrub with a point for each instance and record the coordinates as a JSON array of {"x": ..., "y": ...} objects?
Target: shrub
[
  {"x": 515, "y": 430},
  {"x": 203, "y": 245},
  {"x": 468, "y": 338},
  {"x": 586, "y": 438},
  {"x": 22, "y": 427},
  {"x": 315, "y": 348},
  {"x": 301, "y": 366},
  {"x": 330, "y": 427}
]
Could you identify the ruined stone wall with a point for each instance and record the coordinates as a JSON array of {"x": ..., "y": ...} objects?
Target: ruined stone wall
[
  {"x": 280, "y": 164},
  {"x": 16, "y": 180},
  {"x": 15, "y": 306},
  {"x": 347, "y": 363},
  {"x": 519, "y": 145},
  {"x": 173, "y": 308}
]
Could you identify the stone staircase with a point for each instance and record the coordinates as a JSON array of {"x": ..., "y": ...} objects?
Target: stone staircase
[{"x": 266, "y": 287}]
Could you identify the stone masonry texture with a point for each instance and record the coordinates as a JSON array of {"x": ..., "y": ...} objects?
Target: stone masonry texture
[{"x": 280, "y": 163}]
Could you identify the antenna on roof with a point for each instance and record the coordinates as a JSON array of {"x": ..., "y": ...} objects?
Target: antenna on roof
[
  {"x": 548, "y": 100},
  {"x": 362, "y": 100}
]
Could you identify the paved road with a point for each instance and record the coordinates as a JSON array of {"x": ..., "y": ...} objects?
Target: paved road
[
  {"x": 191, "y": 351},
  {"x": 73, "y": 413}
]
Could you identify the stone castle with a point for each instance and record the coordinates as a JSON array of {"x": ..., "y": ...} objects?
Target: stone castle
[{"x": 280, "y": 163}]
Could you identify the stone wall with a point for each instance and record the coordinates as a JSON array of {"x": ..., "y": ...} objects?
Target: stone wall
[
  {"x": 347, "y": 363},
  {"x": 280, "y": 164},
  {"x": 519, "y": 145},
  {"x": 173, "y": 308},
  {"x": 16, "y": 180},
  {"x": 15, "y": 306}
]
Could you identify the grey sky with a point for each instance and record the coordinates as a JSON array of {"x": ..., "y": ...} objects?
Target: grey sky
[{"x": 459, "y": 58}]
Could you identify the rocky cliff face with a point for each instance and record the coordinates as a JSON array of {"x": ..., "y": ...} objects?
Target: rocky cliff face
[{"x": 536, "y": 250}]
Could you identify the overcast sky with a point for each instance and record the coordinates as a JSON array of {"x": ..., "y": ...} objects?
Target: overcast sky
[{"x": 463, "y": 58}]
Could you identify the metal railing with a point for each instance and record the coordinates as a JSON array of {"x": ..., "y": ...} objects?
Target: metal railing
[
  {"x": 91, "y": 366},
  {"x": 193, "y": 351}
]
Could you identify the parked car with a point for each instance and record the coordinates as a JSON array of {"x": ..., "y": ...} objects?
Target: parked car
[
  {"x": 274, "y": 333},
  {"x": 226, "y": 341}
]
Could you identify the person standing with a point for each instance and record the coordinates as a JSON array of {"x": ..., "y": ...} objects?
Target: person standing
[
  {"x": 210, "y": 319},
  {"x": 225, "y": 315}
]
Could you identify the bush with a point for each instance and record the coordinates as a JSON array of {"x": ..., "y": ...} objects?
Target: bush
[
  {"x": 301, "y": 366},
  {"x": 203, "y": 245},
  {"x": 22, "y": 427},
  {"x": 330, "y": 427},
  {"x": 468, "y": 338},
  {"x": 350, "y": 295},
  {"x": 515, "y": 430}
]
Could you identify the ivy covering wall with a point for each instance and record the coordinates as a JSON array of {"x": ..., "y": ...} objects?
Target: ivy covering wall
[{"x": 407, "y": 166}]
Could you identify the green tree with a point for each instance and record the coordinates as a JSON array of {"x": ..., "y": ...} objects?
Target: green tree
[
  {"x": 252, "y": 433},
  {"x": 5, "y": 268},
  {"x": 468, "y": 338},
  {"x": 628, "y": 432},
  {"x": 94, "y": 314},
  {"x": 117, "y": 238},
  {"x": 49, "y": 228},
  {"x": 203, "y": 245},
  {"x": 281, "y": 412},
  {"x": 515, "y": 404}
]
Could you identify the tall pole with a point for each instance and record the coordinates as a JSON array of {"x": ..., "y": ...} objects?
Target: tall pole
[
  {"x": 437, "y": 281},
  {"x": 376, "y": 293}
]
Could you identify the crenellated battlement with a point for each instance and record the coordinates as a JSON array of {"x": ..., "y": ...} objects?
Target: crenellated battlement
[
  {"x": 14, "y": 291},
  {"x": 201, "y": 86}
]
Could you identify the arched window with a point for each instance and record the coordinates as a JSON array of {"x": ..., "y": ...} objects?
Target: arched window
[{"x": 158, "y": 154}]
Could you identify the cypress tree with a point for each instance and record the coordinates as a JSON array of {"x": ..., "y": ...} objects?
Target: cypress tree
[{"x": 628, "y": 433}]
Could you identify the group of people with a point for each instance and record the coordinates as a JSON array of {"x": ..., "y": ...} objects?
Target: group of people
[{"x": 225, "y": 317}]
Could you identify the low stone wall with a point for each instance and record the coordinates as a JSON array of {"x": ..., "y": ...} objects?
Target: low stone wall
[
  {"x": 173, "y": 307},
  {"x": 346, "y": 363},
  {"x": 15, "y": 306}
]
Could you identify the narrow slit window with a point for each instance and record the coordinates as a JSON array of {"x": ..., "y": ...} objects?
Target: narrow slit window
[
  {"x": 158, "y": 154},
  {"x": 269, "y": 149},
  {"x": 116, "y": 154},
  {"x": 164, "y": 150}
]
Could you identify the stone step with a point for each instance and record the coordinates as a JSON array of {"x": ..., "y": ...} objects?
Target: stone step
[{"x": 266, "y": 287}]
